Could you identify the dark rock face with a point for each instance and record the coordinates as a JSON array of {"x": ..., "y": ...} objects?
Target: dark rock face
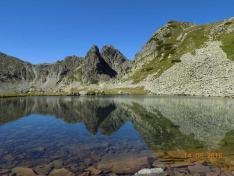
[
  {"x": 115, "y": 59},
  {"x": 58, "y": 70},
  {"x": 13, "y": 69},
  {"x": 96, "y": 68},
  {"x": 110, "y": 63}
]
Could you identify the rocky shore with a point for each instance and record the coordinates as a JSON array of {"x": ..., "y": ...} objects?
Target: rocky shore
[{"x": 129, "y": 167}]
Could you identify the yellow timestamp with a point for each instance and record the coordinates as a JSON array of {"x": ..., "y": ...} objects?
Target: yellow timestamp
[{"x": 204, "y": 155}]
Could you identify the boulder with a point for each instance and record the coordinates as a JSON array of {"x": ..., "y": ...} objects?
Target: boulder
[
  {"x": 125, "y": 165},
  {"x": 83, "y": 92},
  {"x": 94, "y": 171},
  {"x": 43, "y": 169},
  {"x": 23, "y": 171},
  {"x": 146, "y": 171},
  {"x": 61, "y": 172},
  {"x": 199, "y": 168}
]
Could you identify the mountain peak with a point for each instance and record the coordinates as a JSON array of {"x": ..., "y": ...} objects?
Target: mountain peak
[
  {"x": 94, "y": 49},
  {"x": 111, "y": 51},
  {"x": 108, "y": 46},
  {"x": 115, "y": 59},
  {"x": 93, "y": 53}
]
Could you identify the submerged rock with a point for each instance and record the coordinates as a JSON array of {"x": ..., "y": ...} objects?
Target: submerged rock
[
  {"x": 199, "y": 168},
  {"x": 61, "y": 172},
  {"x": 57, "y": 164},
  {"x": 94, "y": 171},
  {"x": 149, "y": 171},
  {"x": 126, "y": 165},
  {"x": 23, "y": 171},
  {"x": 43, "y": 169},
  {"x": 4, "y": 171}
]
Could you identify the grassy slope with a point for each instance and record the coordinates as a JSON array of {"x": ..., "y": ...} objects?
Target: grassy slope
[
  {"x": 172, "y": 50},
  {"x": 90, "y": 91},
  {"x": 6, "y": 95},
  {"x": 228, "y": 45},
  {"x": 111, "y": 91},
  {"x": 76, "y": 75}
]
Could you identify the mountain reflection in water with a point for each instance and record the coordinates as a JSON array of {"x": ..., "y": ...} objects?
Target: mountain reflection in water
[{"x": 85, "y": 134}]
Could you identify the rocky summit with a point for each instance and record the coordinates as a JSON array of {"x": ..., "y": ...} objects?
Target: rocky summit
[{"x": 181, "y": 58}]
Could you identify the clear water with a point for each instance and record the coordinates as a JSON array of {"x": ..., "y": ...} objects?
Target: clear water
[{"x": 81, "y": 132}]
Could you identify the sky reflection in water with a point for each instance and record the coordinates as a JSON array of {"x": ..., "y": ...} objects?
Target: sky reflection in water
[{"x": 39, "y": 130}]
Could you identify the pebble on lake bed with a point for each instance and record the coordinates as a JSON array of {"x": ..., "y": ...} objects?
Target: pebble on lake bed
[{"x": 149, "y": 171}]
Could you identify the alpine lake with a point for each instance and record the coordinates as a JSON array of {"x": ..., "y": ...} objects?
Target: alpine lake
[{"x": 116, "y": 135}]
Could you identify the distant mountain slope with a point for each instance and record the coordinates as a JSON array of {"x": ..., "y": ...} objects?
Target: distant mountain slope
[
  {"x": 168, "y": 44},
  {"x": 183, "y": 58},
  {"x": 17, "y": 75},
  {"x": 13, "y": 69}
]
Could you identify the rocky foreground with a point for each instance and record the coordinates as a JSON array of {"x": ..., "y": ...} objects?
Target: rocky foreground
[
  {"x": 181, "y": 58},
  {"x": 124, "y": 168}
]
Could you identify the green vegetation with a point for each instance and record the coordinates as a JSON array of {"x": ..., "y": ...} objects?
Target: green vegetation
[
  {"x": 75, "y": 91},
  {"x": 170, "y": 50},
  {"x": 155, "y": 66},
  {"x": 228, "y": 23},
  {"x": 111, "y": 91},
  {"x": 227, "y": 144},
  {"x": 7, "y": 95},
  {"x": 195, "y": 39},
  {"x": 76, "y": 75},
  {"x": 228, "y": 45}
]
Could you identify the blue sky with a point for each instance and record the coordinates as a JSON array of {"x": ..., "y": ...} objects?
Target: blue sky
[{"x": 47, "y": 30}]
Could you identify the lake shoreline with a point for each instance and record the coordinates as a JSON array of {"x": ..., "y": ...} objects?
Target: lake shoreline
[{"x": 12, "y": 95}]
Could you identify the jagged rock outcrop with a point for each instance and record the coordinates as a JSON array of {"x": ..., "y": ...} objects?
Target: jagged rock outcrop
[
  {"x": 161, "y": 41},
  {"x": 95, "y": 67},
  {"x": 13, "y": 69},
  {"x": 50, "y": 75},
  {"x": 115, "y": 59},
  {"x": 17, "y": 73}
]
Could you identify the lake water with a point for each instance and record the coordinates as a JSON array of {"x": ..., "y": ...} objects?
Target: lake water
[{"x": 116, "y": 135}]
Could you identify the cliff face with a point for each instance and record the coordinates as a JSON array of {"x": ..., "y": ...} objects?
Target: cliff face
[
  {"x": 13, "y": 69},
  {"x": 116, "y": 60},
  {"x": 180, "y": 58},
  {"x": 95, "y": 67}
]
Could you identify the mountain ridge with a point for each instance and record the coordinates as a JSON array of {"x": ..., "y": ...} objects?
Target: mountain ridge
[{"x": 154, "y": 67}]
